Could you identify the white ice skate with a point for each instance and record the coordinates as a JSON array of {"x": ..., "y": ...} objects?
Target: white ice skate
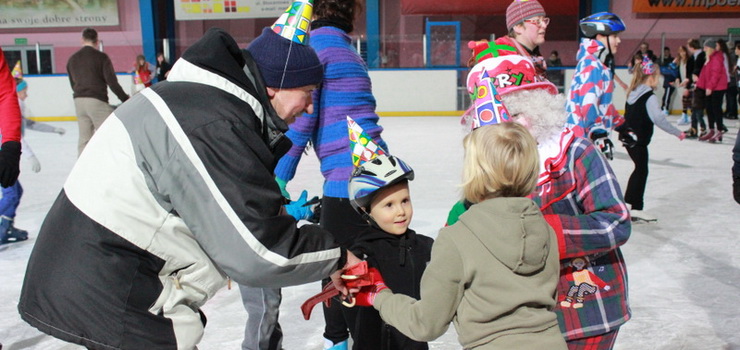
[{"x": 639, "y": 216}]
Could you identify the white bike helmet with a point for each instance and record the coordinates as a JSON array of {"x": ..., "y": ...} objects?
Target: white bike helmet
[{"x": 383, "y": 171}]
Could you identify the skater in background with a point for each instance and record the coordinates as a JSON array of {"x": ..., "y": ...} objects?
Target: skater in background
[
  {"x": 698, "y": 102},
  {"x": 670, "y": 73},
  {"x": 91, "y": 73},
  {"x": 591, "y": 112},
  {"x": 379, "y": 192},
  {"x": 345, "y": 91},
  {"x": 713, "y": 81},
  {"x": 642, "y": 112},
  {"x": 499, "y": 294},
  {"x": 163, "y": 67},
  {"x": 10, "y": 127},
  {"x": 526, "y": 22},
  {"x": 580, "y": 198},
  {"x": 12, "y": 194},
  {"x": 142, "y": 75},
  {"x": 683, "y": 89}
]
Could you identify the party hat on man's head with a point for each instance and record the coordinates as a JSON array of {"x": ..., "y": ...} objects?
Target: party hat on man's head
[
  {"x": 363, "y": 147},
  {"x": 648, "y": 67},
  {"x": 489, "y": 109},
  {"x": 17, "y": 71},
  {"x": 295, "y": 22}
]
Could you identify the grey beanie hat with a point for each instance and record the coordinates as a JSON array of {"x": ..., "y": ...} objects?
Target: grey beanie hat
[{"x": 710, "y": 43}]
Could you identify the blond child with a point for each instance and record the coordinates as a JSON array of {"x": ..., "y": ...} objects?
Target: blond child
[{"x": 495, "y": 271}]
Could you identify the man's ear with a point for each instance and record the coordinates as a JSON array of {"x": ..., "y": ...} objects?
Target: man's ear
[{"x": 271, "y": 92}]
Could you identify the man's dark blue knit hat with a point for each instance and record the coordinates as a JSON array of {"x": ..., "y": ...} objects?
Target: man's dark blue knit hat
[{"x": 285, "y": 63}]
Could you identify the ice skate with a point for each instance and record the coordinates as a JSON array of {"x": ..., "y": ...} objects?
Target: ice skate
[
  {"x": 329, "y": 345},
  {"x": 10, "y": 234},
  {"x": 707, "y": 136},
  {"x": 691, "y": 133},
  {"x": 639, "y": 216},
  {"x": 684, "y": 120}
]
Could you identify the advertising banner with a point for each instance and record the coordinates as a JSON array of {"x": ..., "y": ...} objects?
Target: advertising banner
[
  {"x": 684, "y": 6},
  {"x": 229, "y": 9},
  {"x": 58, "y": 13}
]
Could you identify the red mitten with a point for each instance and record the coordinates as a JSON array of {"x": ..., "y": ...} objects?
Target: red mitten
[{"x": 370, "y": 285}]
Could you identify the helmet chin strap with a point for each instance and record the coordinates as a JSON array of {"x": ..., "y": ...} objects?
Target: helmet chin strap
[{"x": 366, "y": 216}]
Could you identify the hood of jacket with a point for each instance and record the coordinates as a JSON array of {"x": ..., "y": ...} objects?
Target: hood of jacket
[
  {"x": 513, "y": 231},
  {"x": 637, "y": 93},
  {"x": 589, "y": 47}
]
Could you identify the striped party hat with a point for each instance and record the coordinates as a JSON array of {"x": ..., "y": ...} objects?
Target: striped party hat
[{"x": 17, "y": 71}]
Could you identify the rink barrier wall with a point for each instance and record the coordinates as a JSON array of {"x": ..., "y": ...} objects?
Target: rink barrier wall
[{"x": 398, "y": 92}]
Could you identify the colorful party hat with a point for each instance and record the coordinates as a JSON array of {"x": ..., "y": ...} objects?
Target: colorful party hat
[
  {"x": 295, "y": 22},
  {"x": 17, "y": 71},
  {"x": 363, "y": 147},
  {"x": 489, "y": 109},
  {"x": 647, "y": 65}
]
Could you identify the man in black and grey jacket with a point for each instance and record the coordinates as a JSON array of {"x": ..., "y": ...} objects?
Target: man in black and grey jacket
[{"x": 174, "y": 194}]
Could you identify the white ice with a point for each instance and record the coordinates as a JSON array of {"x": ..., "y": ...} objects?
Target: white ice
[{"x": 684, "y": 270}]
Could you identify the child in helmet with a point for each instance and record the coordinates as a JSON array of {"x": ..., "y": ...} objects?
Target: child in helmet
[
  {"x": 591, "y": 113},
  {"x": 494, "y": 273},
  {"x": 379, "y": 191}
]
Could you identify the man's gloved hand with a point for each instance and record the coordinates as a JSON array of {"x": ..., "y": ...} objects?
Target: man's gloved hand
[
  {"x": 370, "y": 285},
  {"x": 736, "y": 188},
  {"x": 10, "y": 158},
  {"x": 628, "y": 138},
  {"x": 282, "y": 183},
  {"x": 600, "y": 138},
  {"x": 35, "y": 164},
  {"x": 301, "y": 209},
  {"x": 60, "y": 131}
]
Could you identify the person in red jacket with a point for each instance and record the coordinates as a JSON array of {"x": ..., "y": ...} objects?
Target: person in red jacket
[
  {"x": 10, "y": 127},
  {"x": 713, "y": 79}
]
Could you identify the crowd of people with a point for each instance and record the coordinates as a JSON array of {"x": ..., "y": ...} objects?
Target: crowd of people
[{"x": 530, "y": 257}]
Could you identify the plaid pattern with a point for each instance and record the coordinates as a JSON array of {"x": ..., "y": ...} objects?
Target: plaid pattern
[
  {"x": 590, "y": 104},
  {"x": 587, "y": 201},
  {"x": 599, "y": 342}
]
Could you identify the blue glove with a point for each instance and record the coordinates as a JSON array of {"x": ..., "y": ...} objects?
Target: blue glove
[
  {"x": 301, "y": 209},
  {"x": 282, "y": 183}
]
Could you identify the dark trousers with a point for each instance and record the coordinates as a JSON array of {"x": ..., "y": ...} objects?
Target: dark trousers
[
  {"x": 714, "y": 109},
  {"x": 339, "y": 218},
  {"x": 732, "y": 101},
  {"x": 635, "y": 192},
  {"x": 667, "y": 94},
  {"x": 697, "y": 109}
]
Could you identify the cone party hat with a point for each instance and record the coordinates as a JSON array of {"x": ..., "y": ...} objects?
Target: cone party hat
[
  {"x": 489, "y": 109},
  {"x": 295, "y": 22},
  {"x": 17, "y": 71},
  {"x": 363, "y": 147}
]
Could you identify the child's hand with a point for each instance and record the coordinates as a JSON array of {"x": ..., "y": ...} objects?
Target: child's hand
[
  {"x": 60, "y": 131},
  {"x": 35, "y": 164},
  {"x": 682, "y": 136}
]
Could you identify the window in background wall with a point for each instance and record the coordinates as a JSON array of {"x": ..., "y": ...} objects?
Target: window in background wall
[{"x": 27, "y": 56}]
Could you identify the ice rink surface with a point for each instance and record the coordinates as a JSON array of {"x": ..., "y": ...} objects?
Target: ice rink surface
[{"x": 684, "y": 270}]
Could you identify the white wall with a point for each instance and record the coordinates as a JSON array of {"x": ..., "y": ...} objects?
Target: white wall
[
  {"x": 51, "y": 96},
  {"x": 420, "y": 92},
  {"x": 415, "y": 90}
]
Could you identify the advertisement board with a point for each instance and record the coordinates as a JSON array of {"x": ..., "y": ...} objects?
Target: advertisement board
[
  {"x": 684, "y": 6},
  {"x": 58, "y": 13},
  {"x": 228, "y": 9}
]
